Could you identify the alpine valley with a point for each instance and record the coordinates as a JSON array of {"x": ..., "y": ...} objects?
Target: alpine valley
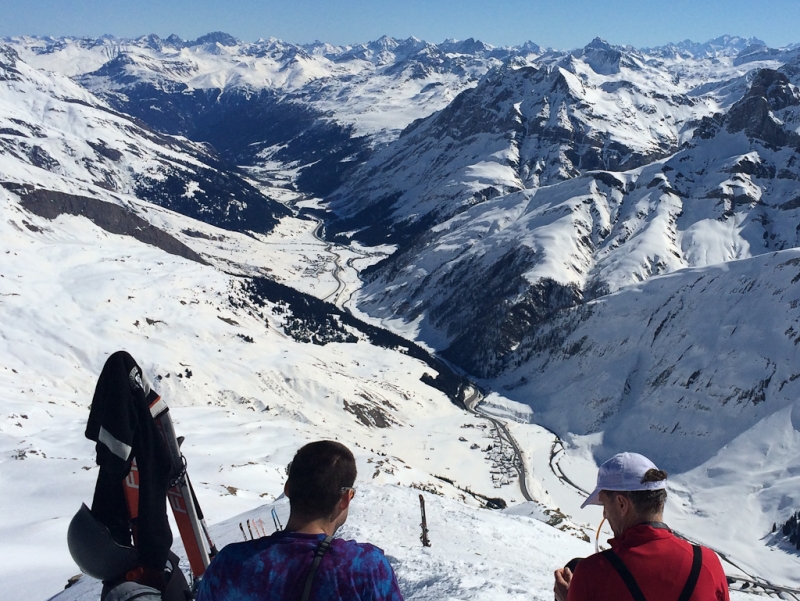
[{"x": 485, "y": 269}]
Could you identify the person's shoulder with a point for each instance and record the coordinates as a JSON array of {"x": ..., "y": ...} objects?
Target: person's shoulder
[
  {"x": 363, "y": 558},
  {"x": 712, "y": 562},
  {"x": 368, "y": 566},
  {"x": 216, "y": 582},
  {"x": 592, "y": 563},
  {"x": 354, "y": 548},
  {"x": 241, "y": 550},
  {"x": 239, "y": 547},
  {"x": 588, "y": 577}
]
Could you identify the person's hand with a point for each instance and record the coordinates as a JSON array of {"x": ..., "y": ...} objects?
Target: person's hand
[{"x": 563, "y": 578}]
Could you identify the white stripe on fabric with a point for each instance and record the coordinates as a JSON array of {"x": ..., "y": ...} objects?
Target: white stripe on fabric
[
  {"x": 119, "y": 448},
  {"x": 146, "y": 384},
  {"x": 158, "y": 407}
]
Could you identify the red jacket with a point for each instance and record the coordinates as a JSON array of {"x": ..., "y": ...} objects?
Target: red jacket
[{"x": 660, "y": 563}]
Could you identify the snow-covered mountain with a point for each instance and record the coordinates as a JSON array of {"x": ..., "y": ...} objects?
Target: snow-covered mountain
[
  {"x": 56, "y": 135},
  {"x": 379, "y": 87},
  {"x": 480, "y": 279},
  {"x": 316, "y": 111},
  {"x": 607, "y": 237},
  {"x": 315, "y": 108},
  {"x": 723, "y": 46},
  {"x": 531, "y": 124}
]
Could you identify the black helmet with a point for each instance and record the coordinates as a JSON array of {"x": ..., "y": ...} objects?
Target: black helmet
[{"x": 95, "y": 551}]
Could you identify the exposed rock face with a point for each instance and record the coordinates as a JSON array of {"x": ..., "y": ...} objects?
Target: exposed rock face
[
  {"x": 491, "y": 272},
  {"x": 483, "y": 345},
  {"x": 80, "y": 137},
  {"x": 111, "y": 217},
  {"x": 8, "y": 64},
  {"x": 523, "y": 126},
  {"x": 602, "y": 58},
  {"x": 770, "y": 92}
]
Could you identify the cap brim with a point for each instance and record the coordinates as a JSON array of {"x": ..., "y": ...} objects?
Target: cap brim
[{"x": 594, "y": 498}]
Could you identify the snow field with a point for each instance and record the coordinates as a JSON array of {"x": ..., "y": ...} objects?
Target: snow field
[
  {"x": 71, "y": 294},
  {"x": 476, "y": 554}
]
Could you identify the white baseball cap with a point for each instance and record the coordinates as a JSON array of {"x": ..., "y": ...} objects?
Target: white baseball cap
[{"x": 623, "y": 472}]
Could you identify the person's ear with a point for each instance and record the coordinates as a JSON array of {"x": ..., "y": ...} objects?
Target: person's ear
[
  {"x": 624, "y": 504},
  {"x": 344, "y": 501},
  {"x": 286, "y": 490}
]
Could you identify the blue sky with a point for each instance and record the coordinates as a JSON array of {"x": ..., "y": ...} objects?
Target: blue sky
[{"x": 562, "y": 24}]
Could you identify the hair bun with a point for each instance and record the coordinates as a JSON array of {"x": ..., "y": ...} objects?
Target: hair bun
[{"x": 654, "y": 475}]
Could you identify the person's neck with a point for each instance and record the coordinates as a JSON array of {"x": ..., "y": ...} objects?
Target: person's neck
[
  {"x": 307, "y": 526},
  {"x": 637, "y": 520}
]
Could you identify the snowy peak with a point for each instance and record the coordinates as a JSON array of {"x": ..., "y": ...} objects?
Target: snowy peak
[
  {"x": 723, "y": 46},
  {"x": 153, "y": 41},
  {"x": 8, "y": 63},
  {"x": 214, "y": 38},
  {"x": 530, "y": 47},
  {"x": 471, "y": 46},
  {"x": 603, "y": 58}
]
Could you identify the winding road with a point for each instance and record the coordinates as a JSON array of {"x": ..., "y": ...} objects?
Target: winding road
[
  {"x": 337, "y": 297},
  {"x": 755, "y": 584},
  {"x": 471, "y": 403}
]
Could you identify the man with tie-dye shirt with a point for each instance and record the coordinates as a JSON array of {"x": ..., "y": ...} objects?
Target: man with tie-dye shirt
[{"x": 286, "y": 566}]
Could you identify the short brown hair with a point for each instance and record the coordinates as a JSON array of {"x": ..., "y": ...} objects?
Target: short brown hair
[
  {"x": 317, "y": 475},
  {"x": 647, "y": 502}
]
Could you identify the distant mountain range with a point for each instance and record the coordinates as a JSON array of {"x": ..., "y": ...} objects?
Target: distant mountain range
[
  {"x": 608, "y": 235},
  {"x": 518, "y": 185}
]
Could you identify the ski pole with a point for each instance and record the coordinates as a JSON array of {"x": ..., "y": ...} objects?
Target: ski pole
[
  {"x": 242, "y": 529},
  {"x": 212, "y": 548}
]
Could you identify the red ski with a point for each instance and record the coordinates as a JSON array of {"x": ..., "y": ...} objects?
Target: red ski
[{"x": 191, "y": 526}]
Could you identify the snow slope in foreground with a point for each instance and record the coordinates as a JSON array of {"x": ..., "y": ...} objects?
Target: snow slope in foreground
[
  {"x": 475, "y": 554},
  {"x": 71, "y": 294}
]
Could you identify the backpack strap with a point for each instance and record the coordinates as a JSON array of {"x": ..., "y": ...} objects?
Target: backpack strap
[
  {"x": 633, "y": 587},
  {"x": 625, "y": 574},
  {"x": 324, "y": 545},
  {"x": 691, "y": 582}
]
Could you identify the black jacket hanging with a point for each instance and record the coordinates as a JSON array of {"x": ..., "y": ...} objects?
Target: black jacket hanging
[{"x": 121, "y": 424}]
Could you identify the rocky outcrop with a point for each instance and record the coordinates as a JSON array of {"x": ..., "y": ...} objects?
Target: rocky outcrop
[
  {"x": 769, "y": 92},
  {"x": 496, "y": 273},
  {"x": 111, "y": 217},
  {"x": 523, "y": 126}
]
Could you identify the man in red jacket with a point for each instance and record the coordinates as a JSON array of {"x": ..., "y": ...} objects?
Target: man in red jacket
[{"x": 646, "y": 562}]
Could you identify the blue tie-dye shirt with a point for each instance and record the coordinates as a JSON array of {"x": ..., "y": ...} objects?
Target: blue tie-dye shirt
[{"x": 274, "y": 568}]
